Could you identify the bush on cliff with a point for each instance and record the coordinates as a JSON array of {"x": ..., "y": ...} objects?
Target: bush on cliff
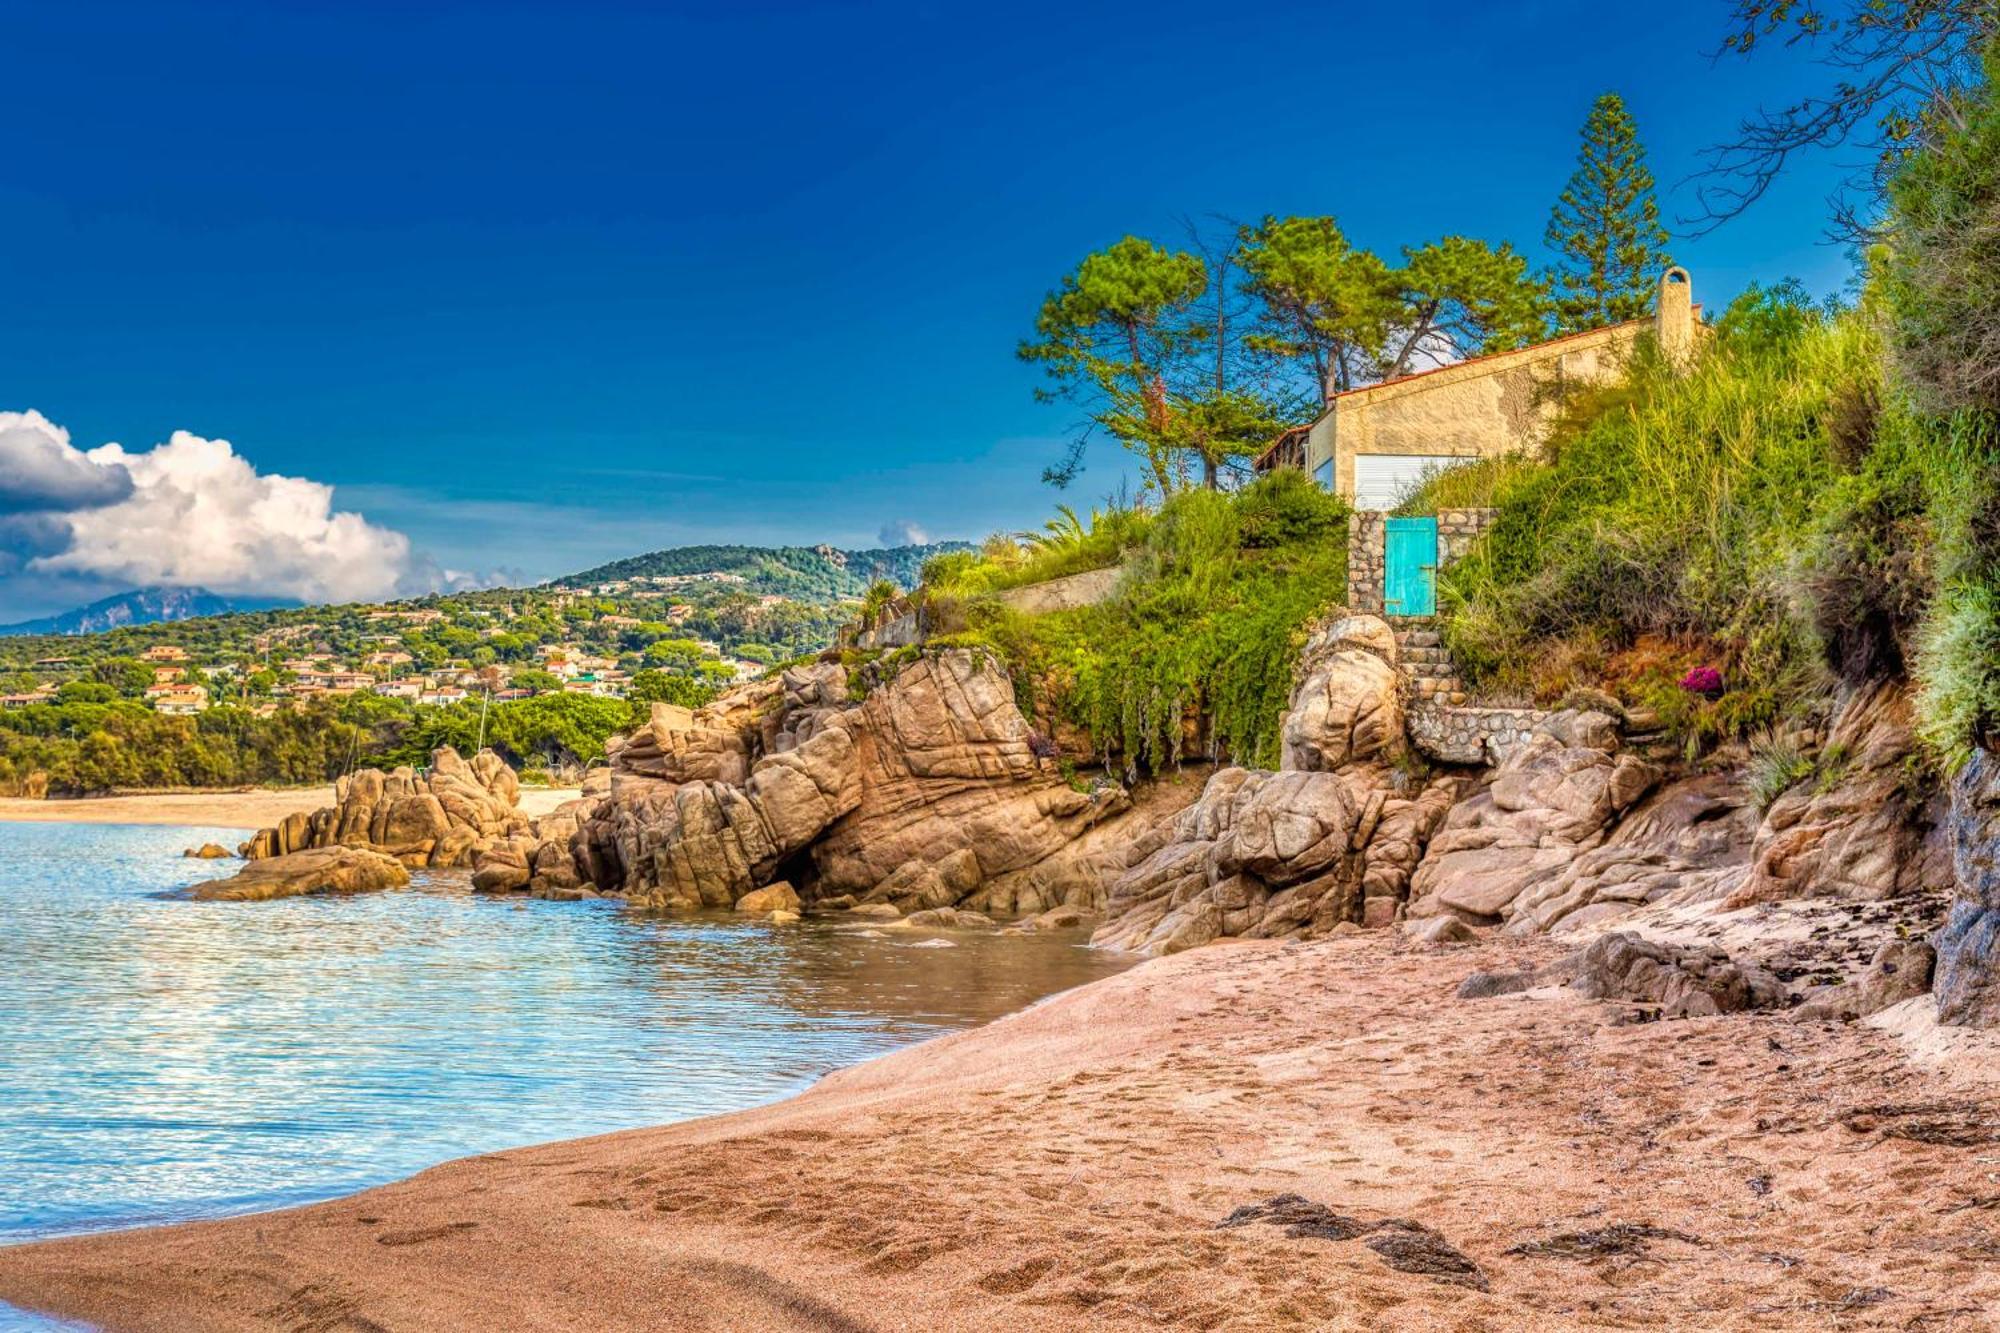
[
  {"x": 1941, "y": 273},
  {"x": 1194, "y": 652},
  {"x": 1672, "y": 509}
]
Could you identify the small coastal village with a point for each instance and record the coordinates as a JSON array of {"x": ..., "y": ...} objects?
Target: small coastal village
[{"x": 186, "y": 682}]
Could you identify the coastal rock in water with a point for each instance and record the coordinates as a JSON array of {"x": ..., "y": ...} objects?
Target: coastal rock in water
[
  {"x": 504, "y": 867},
  {"x": 779, "y": 897},
  {"x": 1683, "y": 982},
  {"x": 925, "y": 794},
  {"x": 208, "y": 851},
  {"x": 440, "y": 819},
  {"x": 1548, "y": 803},
  {"x": 1968, "y": 945},
  {"x": 314, "y": 870}
]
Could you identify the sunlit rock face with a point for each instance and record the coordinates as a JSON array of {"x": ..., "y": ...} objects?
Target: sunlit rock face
[
  {"x": 930, "y": 782},
  {"x": 443, "y": 817}
]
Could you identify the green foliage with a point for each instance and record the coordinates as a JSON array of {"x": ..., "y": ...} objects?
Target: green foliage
[
  {"x": 1352, "y": 318},
  {"x": 1199, "y": 642},
  {"x": 1675, "y": 509},
  {"x": 651, "y": 687},
  {"x": 1321, "y": 300},
  {"x": 675, "y": 654},
  {"x": 1777, "y": 764},
  {"x": 1606, "y": 226},
  {"x": 1941, "y": 276},
  {"x": 1107, "y": 336},
  {"x": 1464, "y": 295},
  {"x": 791, "y": 571},
  {"x": 1068, "y": 545}
]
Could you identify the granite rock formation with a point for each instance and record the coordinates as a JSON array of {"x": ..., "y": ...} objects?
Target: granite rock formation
[{"x": 337, "y": 869}]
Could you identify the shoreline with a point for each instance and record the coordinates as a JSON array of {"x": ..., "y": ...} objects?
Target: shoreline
[
  {"x": 1066, "y": 1167},
  {"x": 248, "y": 808}
]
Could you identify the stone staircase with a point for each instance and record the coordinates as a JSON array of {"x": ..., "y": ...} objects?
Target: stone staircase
[{"x": 1426, "y": 663}]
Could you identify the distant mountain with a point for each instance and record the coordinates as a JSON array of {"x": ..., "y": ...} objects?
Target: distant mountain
[
  {"x": 805, "y": 572},
  {"x": 142, "y": 606}
]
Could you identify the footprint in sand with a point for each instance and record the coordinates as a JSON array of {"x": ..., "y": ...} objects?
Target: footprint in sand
[{"x": 422, "y": 1234}]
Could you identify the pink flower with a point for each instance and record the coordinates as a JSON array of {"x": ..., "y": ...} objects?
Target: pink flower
[{"x": 1703, "y": 680}]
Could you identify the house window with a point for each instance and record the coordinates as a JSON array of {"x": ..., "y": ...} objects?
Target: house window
[{"x": 1323, "y": 474}]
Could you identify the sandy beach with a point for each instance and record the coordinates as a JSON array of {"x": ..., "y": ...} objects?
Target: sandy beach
[
  {"x": 245, "y": 808},
  {"x": 1528, "y": 1162}
]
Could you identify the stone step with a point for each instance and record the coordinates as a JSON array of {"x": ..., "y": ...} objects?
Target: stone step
[{"x": 1420, "y": 638}]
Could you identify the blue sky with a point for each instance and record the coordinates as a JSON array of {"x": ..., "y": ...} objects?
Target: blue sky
[{"x": 540, "y": 284}]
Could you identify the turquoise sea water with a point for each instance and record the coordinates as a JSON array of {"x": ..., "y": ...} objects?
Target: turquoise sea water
[{"x": 164, "y": 1059}]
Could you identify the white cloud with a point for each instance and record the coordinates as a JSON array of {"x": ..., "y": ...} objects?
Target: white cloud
[
  {"x": 194, "y": 513},
  {"x": 902, "y": 532}
]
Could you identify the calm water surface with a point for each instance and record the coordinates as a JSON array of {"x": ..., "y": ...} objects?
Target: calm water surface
[{"x": 164, "y": 1059}]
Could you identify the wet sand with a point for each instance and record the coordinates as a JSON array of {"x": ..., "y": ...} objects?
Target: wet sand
[
  {"x": 1066, "y": 1168},
  {"x": 245, "y": 808}
]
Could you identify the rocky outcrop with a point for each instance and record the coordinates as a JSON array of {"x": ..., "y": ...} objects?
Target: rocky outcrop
[
  {"x": 1331, "y": 838},
  {"x": 442, "y": 817},
  {"x": 1968, "y": 945},
  {"x": 1687, "y": 840},
  {"x": 1347, "y": 706},
  {"x": 1857, "y": 830},
  {"x": 925, "y": 794},
  {"x": 338, "y": 869},
  {"x": 1554, "y": 799}
]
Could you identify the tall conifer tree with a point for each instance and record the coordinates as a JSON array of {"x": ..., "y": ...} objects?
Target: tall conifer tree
[{"x": 1606, "y": 226}]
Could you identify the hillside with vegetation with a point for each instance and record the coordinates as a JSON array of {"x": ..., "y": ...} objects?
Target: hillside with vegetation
[{"x": 300, "y": 694}]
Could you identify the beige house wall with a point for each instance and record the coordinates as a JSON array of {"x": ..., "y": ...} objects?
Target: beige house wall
[{"x": 1491, "y": 405}]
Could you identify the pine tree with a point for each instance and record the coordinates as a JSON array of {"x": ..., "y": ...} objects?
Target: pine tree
[{"x": 1606, "y": 226}]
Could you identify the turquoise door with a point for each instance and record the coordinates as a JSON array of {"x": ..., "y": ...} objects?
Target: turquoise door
[{"x": 1410, "y": 559}]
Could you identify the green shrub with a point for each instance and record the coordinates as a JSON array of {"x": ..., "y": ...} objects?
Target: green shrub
[
  {"x": 1777, "y": 765},
  {"x": 1941, "y": 276},
  {"x": 1200, "y": 641},
  {"x": 1671, "y": 506}
]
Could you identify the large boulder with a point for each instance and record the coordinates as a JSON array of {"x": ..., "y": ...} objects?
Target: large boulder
[
  {"x": 1682, "y": 982},
  {"x": 442, "y": 818},
  {"x": 779, "y": 897},
  {"x": 1968, "y": 946},
  {"x": 1271, "y": 855},
  {"x": 1347, "y": 707},
  {"x": 945, "y": 765},
  {"x": 336, "y": 869}
]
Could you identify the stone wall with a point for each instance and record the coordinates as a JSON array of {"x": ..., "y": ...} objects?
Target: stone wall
[
  {"x": 1458, "y": 529},
  {"x": 1064, "y": 594},
  {"x": 1364, "y": 564},
  {"x": 1472, "y": 735},
  {"x": 1067, "y": 593}
]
